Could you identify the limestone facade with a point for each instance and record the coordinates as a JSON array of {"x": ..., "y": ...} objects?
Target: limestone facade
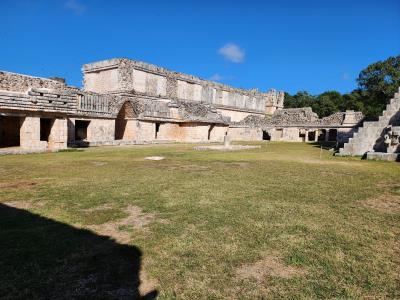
[
  {"x": 300, "y": 125},
  {"x": 124, "y": 102}
]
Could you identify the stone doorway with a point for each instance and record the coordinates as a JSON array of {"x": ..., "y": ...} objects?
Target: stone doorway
[
  {"x": 10, "y": 131},
  {"x": 266, "y": 136},
  {"x": 122, "y": 130},
  {"x": 45, "y": 128},
  {"x": 81, "y": 128},
  {"x": 302, "y": 137},
  {"x": 332, "y": 135},
  {"x": 157, "y": 130},
  {"x": 311, "y": 135}
]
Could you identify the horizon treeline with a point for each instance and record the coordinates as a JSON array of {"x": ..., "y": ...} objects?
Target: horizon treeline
[{"x": 377, "y": 84}]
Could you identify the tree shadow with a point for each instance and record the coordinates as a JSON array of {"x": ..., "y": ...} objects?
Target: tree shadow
[{"x": 44, "y": 259}]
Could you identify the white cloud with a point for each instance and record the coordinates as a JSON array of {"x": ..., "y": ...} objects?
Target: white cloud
[
  {"x": 75, "y": 6},
  {"x": 232, "y": 52},
  {"x": 345, "y": 76},
  {"x": 216, "y": 77}
]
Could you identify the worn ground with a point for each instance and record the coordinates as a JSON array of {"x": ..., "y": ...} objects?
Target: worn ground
[{"x": 282, "y": 221}]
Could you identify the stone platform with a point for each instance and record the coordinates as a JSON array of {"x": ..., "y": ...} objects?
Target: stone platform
[{"x": 383, "y": 156}]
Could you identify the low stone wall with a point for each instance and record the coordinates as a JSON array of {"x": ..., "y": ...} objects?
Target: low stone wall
[{"x": 245, "y": 133}]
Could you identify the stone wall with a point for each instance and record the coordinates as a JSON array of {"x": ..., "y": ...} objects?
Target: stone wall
[
  {"x": 22, "y": 83},
  {"x": 98, "y": 130},
  {"x": 245, "y": 133},
  {"x": 170, "y": 132},
  {"x": 58, "y": 135},
  {"x": 141, "y": 78},
  {"x": 218, "y": 133},
  {"x": 30, "y": 134},
  {"x": 194, "y": 132},
  {"x": 235, "y": 115}
]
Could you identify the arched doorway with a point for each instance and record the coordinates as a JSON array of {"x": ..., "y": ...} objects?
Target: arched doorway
[{"x": 124, "y": 129}]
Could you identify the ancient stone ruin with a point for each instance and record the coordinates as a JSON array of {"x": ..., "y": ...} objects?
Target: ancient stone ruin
[
  {"x": 122, "y": 102},
  {"x": 299, "y": 125},
  {"x": 379, "y": 139},
  {"x": 130, "y": 102}
]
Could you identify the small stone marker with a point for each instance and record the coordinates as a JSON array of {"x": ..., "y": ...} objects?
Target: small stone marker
[
  {"x": 227, "y": 141},
  {"x": 154, "y": 157}
]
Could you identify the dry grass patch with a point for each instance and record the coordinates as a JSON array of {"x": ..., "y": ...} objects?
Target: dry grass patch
[
  {"x": 188, "y": 168},
  {"x": 18, "y": 184},
  {"x": 22, "y": 204},
  {"x": 386, "y": 203},
  {"x": 119, "y": 229},
  {"x": 269, "y": 265}
]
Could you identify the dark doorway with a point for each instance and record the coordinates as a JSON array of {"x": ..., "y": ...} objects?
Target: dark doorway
[
  {"x": 333, "y": 135},
  {"x": 10, "y": 131},
  {"x": 157, "y": 129},
  {"x": 45, "y": 128},
  {"x": 210, "y": 130},
  {"x": 81, "y": 130},
  {"x": 302, "y": 137},
  {"x": 311, "y": 135},
  {"x": 120, "y": 126},
  {"x": 266, "y": 136},
  {"x": 321, "y": 137}
]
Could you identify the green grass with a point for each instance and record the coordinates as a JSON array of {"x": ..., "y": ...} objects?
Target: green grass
[{"x": 334, "y": 220}]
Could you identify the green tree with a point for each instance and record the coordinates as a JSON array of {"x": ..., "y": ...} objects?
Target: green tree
[
  {"x": 379, "y": 81},
  {"x": 377, "y": 84}
]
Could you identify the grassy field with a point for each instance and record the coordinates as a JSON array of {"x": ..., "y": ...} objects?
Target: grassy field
[{"x": 283, "y": 221}]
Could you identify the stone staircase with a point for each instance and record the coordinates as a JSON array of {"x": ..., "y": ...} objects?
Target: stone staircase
[{"x": 365, "y": 138}]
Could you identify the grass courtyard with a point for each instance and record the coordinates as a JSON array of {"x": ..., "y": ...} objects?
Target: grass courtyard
[{"x": 282, "y": 221}]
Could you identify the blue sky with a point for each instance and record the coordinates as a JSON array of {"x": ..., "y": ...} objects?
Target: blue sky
[{"x": 287, "y": 45}]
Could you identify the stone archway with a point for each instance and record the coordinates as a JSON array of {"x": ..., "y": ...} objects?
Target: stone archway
[{"x": 124, "y": 123}]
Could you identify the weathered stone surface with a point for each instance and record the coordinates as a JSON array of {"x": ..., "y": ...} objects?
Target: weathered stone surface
[
  {"x": 141, "y": 78},
  {"x": 371, "y": 136},
  {"x": 21, "y": 83}
]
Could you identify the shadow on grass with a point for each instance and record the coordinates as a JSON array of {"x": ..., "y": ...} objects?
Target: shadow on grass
[
  {"x": 325, "y": 145},
  {"x": 45, "y": 259}
]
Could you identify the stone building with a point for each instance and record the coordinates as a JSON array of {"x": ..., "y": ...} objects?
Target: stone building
[
  {"x": 124, "y": 102},
  {"x": 379, "y": 139},
  {"x": 299, "y": 125}
]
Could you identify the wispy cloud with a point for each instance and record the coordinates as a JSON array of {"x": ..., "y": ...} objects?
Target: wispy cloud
[
  {"x": 232, "y": 52},
  {"x": 75, "y": 6},
  {"x": 345, "y": 76},
  {"x": 216, "y": 77}
]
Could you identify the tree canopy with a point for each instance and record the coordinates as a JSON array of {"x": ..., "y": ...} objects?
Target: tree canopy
[{"x": 377, "y": 84}]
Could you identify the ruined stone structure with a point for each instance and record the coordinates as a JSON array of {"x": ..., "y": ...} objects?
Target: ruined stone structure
[
  {"x": 380, "y": 139},
  {"x": 299, "y": 125},
  {"x": 123, "y": 102}
]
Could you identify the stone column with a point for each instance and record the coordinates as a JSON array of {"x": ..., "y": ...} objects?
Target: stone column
[
  {"x": 58, "y": 135},
  {"x": 316, "y": 136},
  {"x": 30, "y": 134},
  {"x": 306, "y": 136}
]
